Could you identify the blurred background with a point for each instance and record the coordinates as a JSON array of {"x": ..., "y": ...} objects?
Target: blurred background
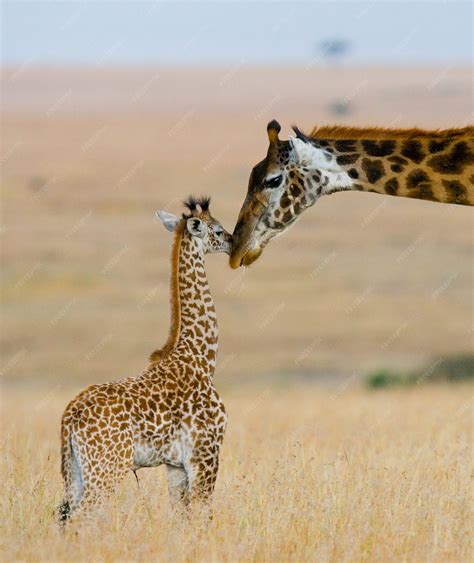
[{"x": 111, "y": 110}]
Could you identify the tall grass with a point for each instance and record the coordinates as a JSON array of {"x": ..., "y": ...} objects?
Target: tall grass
[{"x": 306, "y": 474}]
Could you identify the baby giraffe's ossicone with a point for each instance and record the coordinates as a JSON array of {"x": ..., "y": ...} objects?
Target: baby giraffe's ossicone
[{"x": 170, "y": 414}]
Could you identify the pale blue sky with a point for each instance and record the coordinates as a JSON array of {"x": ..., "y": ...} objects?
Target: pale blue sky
[{"x": 226, "y": 32}]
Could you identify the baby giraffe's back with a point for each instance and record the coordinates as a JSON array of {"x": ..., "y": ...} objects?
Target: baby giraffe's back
[{"x": 171, "y": 414}]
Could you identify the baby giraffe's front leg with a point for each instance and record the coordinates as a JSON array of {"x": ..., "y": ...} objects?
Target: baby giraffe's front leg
[
  {"x": 178, "y": 486},
  {"x": 202, "y": 471}
]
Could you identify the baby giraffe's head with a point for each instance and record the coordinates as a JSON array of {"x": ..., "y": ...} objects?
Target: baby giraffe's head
[{"x": 199, "y": 224}]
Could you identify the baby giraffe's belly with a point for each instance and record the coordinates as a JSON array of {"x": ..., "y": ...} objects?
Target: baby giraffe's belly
[
  {"x": 179, "y": 446},
  {"x": 146, "y": 455},
  {"x": 175, "y": 451}
]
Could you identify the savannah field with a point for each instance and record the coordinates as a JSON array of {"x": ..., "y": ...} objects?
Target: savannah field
[
  {"x": 306, "y": 474},
  {"x": 315, "y": 465}
]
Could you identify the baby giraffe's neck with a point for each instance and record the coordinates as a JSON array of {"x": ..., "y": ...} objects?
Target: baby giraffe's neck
[
  {"x": 198, "y": 320},
  {"x": 193, "y": 316}
]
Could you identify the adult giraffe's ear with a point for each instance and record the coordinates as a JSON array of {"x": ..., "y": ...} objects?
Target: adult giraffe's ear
[
  {"x": 169, "y": 220},
  {"x": 303, "y": 151},
  {"x": 195, "y": 226},
  {"x": 273, "y": 128}
]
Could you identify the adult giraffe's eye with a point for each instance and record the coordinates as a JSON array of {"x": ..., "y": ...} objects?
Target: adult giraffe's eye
[{"x": 273, "y": 182}]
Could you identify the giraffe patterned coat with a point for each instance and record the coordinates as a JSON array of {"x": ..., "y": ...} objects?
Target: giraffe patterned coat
[
  {"x": 429, "y": 165},
  {"x": 171, "y": 414}
]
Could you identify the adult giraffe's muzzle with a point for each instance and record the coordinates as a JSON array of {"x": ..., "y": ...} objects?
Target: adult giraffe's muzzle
[
  {"x": 237, "y": 260},
  {"x": 245, "y": 248}
]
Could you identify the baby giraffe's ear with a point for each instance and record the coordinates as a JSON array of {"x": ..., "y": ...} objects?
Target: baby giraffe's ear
[
  {"x": 169, "y": 221},
  {"x": 195, "y": 226}
]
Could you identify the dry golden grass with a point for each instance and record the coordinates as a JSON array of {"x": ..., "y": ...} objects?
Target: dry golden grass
[{"x": 307, "y": 474}]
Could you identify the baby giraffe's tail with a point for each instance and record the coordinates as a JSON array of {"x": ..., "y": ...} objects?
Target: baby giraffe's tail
[{"x": 71, "y": 472}]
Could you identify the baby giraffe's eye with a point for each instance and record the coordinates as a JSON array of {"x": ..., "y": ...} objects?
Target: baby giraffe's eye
[
  {"x": 273, "y": 182},
  {"x": 218, "y": 231}
]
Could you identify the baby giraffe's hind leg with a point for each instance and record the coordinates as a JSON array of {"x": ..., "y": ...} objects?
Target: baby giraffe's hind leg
[
  {"x": 99, "y": 483},
  {"x": 101, "y": 469}
]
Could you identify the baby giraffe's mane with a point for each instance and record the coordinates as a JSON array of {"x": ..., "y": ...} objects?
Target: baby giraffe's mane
[{"x": 175, "y": 326}]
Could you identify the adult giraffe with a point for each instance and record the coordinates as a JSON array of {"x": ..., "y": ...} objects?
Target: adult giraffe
[{"x": 431, "y": 165}]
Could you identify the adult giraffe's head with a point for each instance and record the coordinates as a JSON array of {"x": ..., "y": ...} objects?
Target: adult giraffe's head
[
  {"x": 289, "y": 179},
  {"x": 431, "y": 165}
]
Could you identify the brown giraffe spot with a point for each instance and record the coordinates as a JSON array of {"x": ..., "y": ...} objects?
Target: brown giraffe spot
[
  {"x": 345, "y": 159},
  {"x": 413, "y": 150},
  {"x": 287, "y": 216},
  {"x": 418, "y": 182},
  {"x": 454, "y": 161},
  {"x": 417, "y": 177},
  {"x": 398, "y": 163},
  {"x": 391, "y": 186},
  {"x": 211, "y": 355},
  {"x": 373, "y": 169},
  {"x": 438, "y": 146},
  {"x": 345, "y": 146},
  {"x": 378, "y": 148},
  {"x": 456, "y": 192},
  {"x": 353, "y": 173},
  {"x": 423, "y": 192},
  {"x": 295, "y": 191}
]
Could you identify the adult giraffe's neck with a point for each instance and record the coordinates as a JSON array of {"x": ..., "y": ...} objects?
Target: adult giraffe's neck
[
  {"x": 436, "y": 167},
  {"x": 193, "y": 316}
]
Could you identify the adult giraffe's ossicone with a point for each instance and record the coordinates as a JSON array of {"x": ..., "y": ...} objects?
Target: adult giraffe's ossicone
[{"x": 431, "y": 165}]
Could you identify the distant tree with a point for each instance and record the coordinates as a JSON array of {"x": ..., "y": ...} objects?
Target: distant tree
[{"x": 334, "y": 49}]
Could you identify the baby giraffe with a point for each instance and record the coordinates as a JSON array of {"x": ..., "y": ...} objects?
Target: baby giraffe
[{"x": 171, "y": 414}]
